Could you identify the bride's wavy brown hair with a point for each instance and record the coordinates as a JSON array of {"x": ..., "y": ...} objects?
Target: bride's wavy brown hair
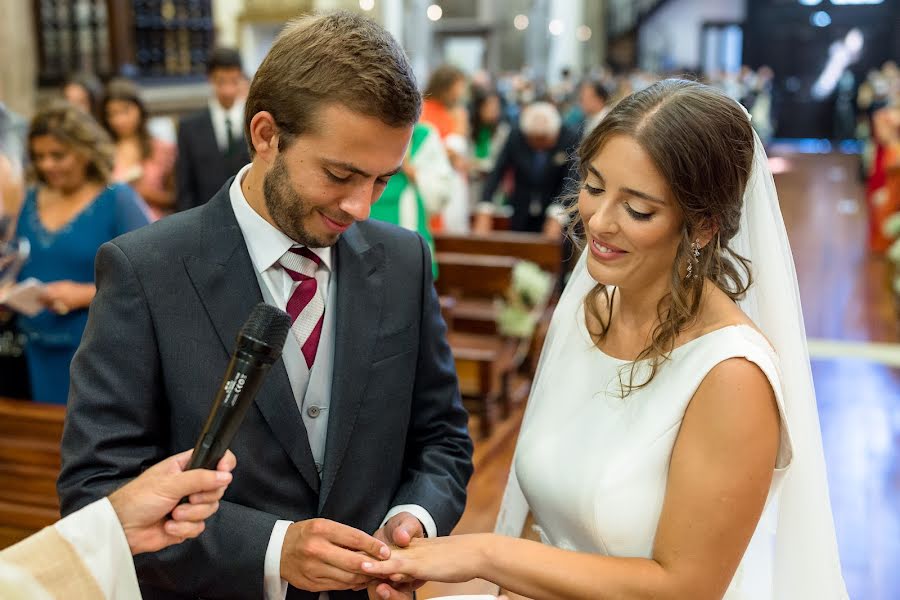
[{"x": 702, "y": 143}]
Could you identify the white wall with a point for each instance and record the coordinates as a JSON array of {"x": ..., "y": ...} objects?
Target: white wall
[
  {"x": 254, "y": 39},
  {"x": 671, "y": 37}
]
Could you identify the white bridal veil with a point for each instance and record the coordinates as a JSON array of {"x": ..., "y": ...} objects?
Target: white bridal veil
[{"x": 797, "y": 530}]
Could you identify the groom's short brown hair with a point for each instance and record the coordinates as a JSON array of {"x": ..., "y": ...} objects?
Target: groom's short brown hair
[{"x": 336, "y": 57}]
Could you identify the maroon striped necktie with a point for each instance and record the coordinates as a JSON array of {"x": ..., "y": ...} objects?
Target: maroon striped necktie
[{"x": 306, "y": 306}]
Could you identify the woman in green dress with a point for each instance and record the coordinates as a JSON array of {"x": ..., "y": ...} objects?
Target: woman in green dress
[{"x": 420, "y": 189}]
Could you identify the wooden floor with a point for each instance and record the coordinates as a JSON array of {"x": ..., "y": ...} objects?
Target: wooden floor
[{"x": 845, "y": 298}]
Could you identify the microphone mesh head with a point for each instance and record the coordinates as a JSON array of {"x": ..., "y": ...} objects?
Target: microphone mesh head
[{"x": 268, "y": 325}]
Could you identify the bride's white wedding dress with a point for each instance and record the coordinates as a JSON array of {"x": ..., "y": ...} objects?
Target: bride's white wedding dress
[{"x": 592, "y": 467}]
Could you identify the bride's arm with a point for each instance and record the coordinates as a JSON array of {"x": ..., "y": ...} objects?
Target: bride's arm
[{"x": 719, "y": 477}]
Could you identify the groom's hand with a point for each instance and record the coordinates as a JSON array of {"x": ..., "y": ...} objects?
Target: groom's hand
[
  {"x": 399, "y": 531},
  {"x": 319, "y": 555},
  {"x": 390, "y": 591}
]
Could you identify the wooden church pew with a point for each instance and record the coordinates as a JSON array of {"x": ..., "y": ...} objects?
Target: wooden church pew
[
  {"x": 475, "y": 282},
  {"x": 534, "y": 247},
  {"x": 485, "y": 360},
  {"x": 30, "y": 435}
]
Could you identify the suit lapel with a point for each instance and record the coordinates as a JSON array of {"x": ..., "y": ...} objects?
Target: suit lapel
[
  {"x": 226, "y": 284},
  {"x": 359, "y": 305},
  {"x": 209, "y": 134}
]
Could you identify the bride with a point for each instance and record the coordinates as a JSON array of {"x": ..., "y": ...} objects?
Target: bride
[{"x": 671, "y": 446}]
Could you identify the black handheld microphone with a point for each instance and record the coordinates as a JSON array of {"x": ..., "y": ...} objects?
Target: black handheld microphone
[{"x": 259, "y": 344}]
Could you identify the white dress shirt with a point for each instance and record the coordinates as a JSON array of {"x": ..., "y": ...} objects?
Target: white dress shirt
[
  {"x": 266, "y": 244},
  {"x": 218, "y": 114}
]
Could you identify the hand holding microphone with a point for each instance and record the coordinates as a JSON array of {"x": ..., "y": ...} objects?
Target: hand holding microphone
[
  {"x": 143, "y": 503},
  {"x": 317, "y": 554},
  {"x": 259, "y": 345}
]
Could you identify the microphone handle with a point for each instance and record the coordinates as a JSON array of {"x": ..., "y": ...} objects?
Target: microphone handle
[{"x": 243, "y": 378}]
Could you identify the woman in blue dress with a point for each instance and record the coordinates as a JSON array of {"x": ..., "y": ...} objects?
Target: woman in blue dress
[{"x": 67, "y": 215}]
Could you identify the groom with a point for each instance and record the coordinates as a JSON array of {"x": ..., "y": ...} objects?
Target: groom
[{"x": 360, "y": 428}]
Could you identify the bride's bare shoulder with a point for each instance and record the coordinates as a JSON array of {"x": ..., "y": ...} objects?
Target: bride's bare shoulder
[{"x": 718, "y": 310}]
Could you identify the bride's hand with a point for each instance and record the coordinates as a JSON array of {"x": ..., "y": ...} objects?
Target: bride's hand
[{"x": 453, "y": 559}]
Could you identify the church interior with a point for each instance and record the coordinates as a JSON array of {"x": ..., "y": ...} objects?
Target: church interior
[{"x": 819, "y": 79}]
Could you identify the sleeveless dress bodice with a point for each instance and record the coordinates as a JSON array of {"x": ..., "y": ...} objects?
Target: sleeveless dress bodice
[{"x": 593, "y": 466}]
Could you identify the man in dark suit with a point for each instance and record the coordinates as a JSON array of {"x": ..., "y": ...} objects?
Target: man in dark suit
[
  {"x": 593, "y": 98},
  {"x": 211, "y": 144},
  {"x": 359, "y": 427},
  {"x": 540, "y": 154}
]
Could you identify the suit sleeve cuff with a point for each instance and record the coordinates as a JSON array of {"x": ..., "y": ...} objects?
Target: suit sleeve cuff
[
  {"x": 418, "y": 512},
  {"x": 275, "y": 586}
]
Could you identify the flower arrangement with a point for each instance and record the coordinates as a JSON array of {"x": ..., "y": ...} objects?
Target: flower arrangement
[
  {"x": 519, "y": 312},
  {"x": 891, "y": 229}
]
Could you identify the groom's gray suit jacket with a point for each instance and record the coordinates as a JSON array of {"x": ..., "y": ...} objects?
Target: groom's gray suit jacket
[{"x": 171, "y": 298}]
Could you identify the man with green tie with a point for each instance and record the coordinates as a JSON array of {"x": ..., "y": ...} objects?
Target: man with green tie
[{"x": 211, "y": 144}]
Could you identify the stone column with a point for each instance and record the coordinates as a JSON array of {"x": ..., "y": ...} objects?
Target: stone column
[
  {"x": 18, "y": 46},
  {"x": 565, "y": 49},
  {"x": 392, "y": 17},
  {"x": 419, "y": 39},
  {"x": 537, "y": 42}
]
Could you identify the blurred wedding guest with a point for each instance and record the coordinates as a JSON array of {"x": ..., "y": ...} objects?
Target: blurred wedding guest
[
  {"x": 13, "y": 130},
  {"x": 593, "y": 98},
  {"x": 539, "y": 154},
  {"x": 488, "y": 130},
  {"x": 883, "y": 196},
  {"x": 84, "y": 90},
  {"x": 444, "y": 110},
  {"x": 13, "y": 366},
  {"x": 420, "y": 189},
  {"x": 211, "y": 143},
  {"x": 144, "y": 162},
  {"x": 760, "y": 103},
  {"x": 446, "y": 90},
  {"x": 457, "y": 212},
  {"x": 88, "y": 554},
  {"x": 562, "y": 91},
  {"x": 67, "y": 215}
]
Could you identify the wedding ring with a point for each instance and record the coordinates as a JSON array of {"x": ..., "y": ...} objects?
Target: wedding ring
[{"x": 60, "y": 308}]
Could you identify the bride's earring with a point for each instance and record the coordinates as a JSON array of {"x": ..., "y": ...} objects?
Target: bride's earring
[{"x": 695, "y": 258}]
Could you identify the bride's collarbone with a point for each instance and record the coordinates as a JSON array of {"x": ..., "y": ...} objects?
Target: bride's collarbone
[
  {"x": 624, "y": 343},
  {"x": 717, "y": 311}
]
